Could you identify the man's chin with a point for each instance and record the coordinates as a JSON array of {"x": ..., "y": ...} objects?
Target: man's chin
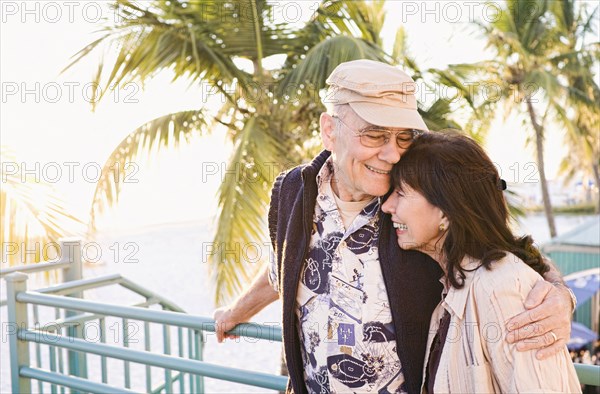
[{"x": 379, "y": 191}]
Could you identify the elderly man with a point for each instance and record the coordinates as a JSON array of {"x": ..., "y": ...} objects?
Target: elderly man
[{"x": 356, "y": 308}]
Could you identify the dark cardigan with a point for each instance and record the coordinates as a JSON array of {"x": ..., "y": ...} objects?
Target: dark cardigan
[{"x": 411, "y": 278}]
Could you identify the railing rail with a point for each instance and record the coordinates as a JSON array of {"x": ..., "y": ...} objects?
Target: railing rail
[
  {"x": 257, "y": 379},
  {"x": 177, "y": 368},
  {"x": 36, "y": 267},
  {"x": 179, "y": 319},
  {"x": 70, "y": 381},
  {"x": 79, "y": 311},
  {"x": 69, "y": 262},
  {"x": 588, "y": 374},
  {"x": 69, "y": 249}
]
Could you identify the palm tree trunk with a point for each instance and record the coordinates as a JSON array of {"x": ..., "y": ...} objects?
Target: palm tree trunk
[{"x": 539, "y": 144}]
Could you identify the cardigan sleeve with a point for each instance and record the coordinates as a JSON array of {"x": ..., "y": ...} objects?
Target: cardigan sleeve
[
  {"x": 500, "y": 294},
  {"x": 274, "y": 207},
  {"x": 273, "y": 272}
]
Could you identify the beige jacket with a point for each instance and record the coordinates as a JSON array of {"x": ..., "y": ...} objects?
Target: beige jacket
[{"x": 476, "y": 358}]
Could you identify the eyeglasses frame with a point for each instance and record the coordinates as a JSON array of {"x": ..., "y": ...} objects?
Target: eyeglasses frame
[{"x": 359, "y": 133}]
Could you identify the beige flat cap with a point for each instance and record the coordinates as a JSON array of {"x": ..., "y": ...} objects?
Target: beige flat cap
[{"x": 381, "y": 94}]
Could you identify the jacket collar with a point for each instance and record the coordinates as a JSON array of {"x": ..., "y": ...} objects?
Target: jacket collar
[
  {"x": 312, "y": 169},
  {"x": 456, "y": 299}
]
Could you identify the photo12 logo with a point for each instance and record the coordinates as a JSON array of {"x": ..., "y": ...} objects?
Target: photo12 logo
[
  {"x": 60, "y": 12},
  {"x": 91, "y": 252},
  {"x": 241, "y": 11},
  {"x": 242, "y": 172},
  {"x": 70, "y": 92},
  {"x": 53, "y": 172},
  {"x": 93, "y": 331},
  {"x": 52, "y": 11},
  {"x": 465, "y": 11}
]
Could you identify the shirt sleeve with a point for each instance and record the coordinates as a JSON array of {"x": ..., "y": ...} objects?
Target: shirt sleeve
[
  {"x": 273, "y": 272},
  {"x": 500, "y": 295}
]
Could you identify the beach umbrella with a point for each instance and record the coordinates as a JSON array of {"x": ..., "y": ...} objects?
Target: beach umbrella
[
  {"x": 580, "y": 336},
  {"x": 585, "y": 284}
]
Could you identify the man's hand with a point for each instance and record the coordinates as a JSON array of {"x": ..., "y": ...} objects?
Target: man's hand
[
  {"x": 546, "y": 324},
  {"x": 224, "y": 321},
  {"x": 259, "y": 294}
]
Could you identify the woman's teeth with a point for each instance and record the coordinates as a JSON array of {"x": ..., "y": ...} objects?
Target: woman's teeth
[{"x": 400, "y": 226}]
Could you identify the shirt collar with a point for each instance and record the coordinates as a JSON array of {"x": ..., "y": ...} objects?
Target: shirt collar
[{"x": 325, "y": 173}]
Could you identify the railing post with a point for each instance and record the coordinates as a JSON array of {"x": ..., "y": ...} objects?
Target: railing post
[
  {"x": 71, "y": 252},
  {"x": 17, "y": 317}
]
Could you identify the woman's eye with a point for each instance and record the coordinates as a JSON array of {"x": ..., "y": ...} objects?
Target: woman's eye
[{"x": 399, "y": 193}]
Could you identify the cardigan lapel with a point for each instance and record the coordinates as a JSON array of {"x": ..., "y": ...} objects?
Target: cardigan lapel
[
  {"x": 295, "y": 244},
  {"x": 413, "y": 290}
]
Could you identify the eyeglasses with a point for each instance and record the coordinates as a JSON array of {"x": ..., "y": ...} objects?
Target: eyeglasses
[{"x": 377, "y": 136}]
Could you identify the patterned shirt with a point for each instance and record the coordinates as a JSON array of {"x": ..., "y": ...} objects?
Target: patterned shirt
[{"x": 347, "y": 336}]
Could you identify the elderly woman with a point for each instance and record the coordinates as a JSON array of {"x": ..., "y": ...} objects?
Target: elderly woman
[{"x": 448, "y": 202}]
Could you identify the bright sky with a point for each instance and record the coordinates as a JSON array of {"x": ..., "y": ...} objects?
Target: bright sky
[{"x": 46, "y": 117}]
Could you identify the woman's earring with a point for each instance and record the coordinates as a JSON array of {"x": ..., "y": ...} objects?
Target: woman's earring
[{"x": 442, "y": 227}]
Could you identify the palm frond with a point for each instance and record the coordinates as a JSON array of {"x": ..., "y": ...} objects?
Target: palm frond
[
  {"x": 311, "y": 73},
  {"x": 203, "y": 41},
  {"x": 437, "y": 116},
  {"x": 353, "y": 18},
  {"x": 34, "y": 217},
  {"x": 368, "y": 18},
  {"x": 168, "y": 130},
  {"x": 147, "y": 41},
  {"x": 242, "y": 208},
  {"x": 400, "y": 50},
  {"x": 539, "y": 84},
  {"x": 455, "y": 81},
  {"x": 333, "y": 18}
]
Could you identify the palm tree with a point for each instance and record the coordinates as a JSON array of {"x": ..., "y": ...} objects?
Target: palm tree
[
  {"x": 272, "y": 122},
  {"x": 33, "y": 216},
  {"x": 583, "y": 139},
  {"x": 527, "y": 73}
]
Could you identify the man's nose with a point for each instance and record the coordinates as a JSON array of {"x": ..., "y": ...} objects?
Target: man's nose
[{"x": 391, "y": 152}]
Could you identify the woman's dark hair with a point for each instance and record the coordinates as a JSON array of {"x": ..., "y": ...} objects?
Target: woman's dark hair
[{"x": 456, "y": 175}]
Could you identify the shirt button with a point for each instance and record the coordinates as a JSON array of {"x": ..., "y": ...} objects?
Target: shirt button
[
  {"x": 343, "y": 244},
  {"x": 334, "y": 367}
]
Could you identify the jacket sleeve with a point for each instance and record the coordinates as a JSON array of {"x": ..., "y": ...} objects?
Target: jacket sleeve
[
  {"x": 274, "y": 264},
  {"x": 500, "y": 294},
  {"x": 274, "y": 207}
]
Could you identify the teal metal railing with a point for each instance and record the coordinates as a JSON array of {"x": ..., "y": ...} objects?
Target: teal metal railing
[
  {"x": 588, "y": 374},
  {"x": 69, "y": 262},
  {"x": 180, "y": 356}
]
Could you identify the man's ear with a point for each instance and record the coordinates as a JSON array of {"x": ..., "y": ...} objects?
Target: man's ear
[{"x": 327, "y": 123}]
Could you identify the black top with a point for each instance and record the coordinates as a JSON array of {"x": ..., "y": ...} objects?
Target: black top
[
  {"x": 435, "y": 352},
  {"x": 411, "y": 278}
]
